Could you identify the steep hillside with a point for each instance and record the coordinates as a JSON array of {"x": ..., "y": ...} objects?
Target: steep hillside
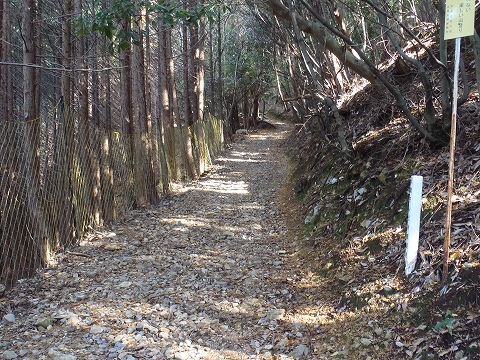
[{"x": 354, "y": 229}]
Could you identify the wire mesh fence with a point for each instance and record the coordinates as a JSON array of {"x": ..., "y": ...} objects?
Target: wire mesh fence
[
  {"x": 86, "y": 134},
  {"x": 61, "y": 177}
]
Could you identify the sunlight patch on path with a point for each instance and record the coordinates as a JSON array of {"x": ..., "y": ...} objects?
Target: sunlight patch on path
[{"x": 225, "y": 187}]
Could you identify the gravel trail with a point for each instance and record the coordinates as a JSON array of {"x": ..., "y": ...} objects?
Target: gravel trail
[{"x": 209, "y": 273}]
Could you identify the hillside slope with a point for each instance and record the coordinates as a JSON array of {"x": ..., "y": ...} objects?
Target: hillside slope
[{"x": 354, "y": 228}]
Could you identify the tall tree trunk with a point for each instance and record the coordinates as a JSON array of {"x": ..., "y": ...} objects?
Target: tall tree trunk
[
  {"x": 220, "y": 76},
  {"x": 165, "y": 100},
  {"x": 102, "y": 98},
  {"x": 102, "y": 115},
  {"x": 212, "y": 108},
  {"x": 188, "y": 98},
  {"x": 255, "y": 109},
  {"x": 125, "y": 57},
  {"x": 30, "y": 85},
  {"x": 163, "y": 108},
  {"x": 6, "y": 86},
  {"x": 138, "y": 128},
  {"x": 277, "y": 76},
  {"x": 187, "y": 80},
  {"x": 92, "y": 193},
  {"x": 67, "y": 53},
  {"x": 185, "y": 138},
  {"x": 152, "y": 193},
  {"x": 246, "y": 112},
  {"x": 32, "y": 240},
  {"x": 198, "y": 61},
  {"x": 298, "y": 110},
  {"x": 68, "y": 124},
  {"x": 38, "y": 54}
]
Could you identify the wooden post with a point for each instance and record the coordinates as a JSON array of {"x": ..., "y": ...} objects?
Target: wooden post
[{"x": 451, "y": 164}]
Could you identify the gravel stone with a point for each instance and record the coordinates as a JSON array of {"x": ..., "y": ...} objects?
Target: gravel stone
[
  {"x": 9, "y": 354},
  {"x": 9, "y": 318},
  {"x": 57, "y": 355}
]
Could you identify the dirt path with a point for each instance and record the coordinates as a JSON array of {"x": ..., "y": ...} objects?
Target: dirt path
[{"x": 207, "y": 274}]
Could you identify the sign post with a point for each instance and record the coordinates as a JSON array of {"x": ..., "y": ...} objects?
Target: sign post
[{"x": 459, "y": 22}]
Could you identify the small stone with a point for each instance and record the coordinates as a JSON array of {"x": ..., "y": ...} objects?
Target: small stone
[
  {"x": 182, "y": 355},
  {"x": 308, "y": 220},
  {"x": 23, "y": 352},
  {"x": 44, "y": 323},
  {"x": 95, "y": 329},
  {"x": 143, "y": 325},
  {"x": 125, "y": 284},
  {"x": 113, "y": 247},
  {"x": 276, "y": 314},
  {"x": 120, "y": 346},
  {"x": 73, "y": 320},
  {"x": 9, "y": 319},
  {"x": 81, "y": 296},
  {"x": 387, "y": 289},
  {"x": 283, "y": 342},
  {"x": 299, "y": 351},
  {"x": 168, "y": 353},
  {"x": 366, "y": 341},
  {"x": 9, "y": 354},
  {"x": 57, "y": 355}
]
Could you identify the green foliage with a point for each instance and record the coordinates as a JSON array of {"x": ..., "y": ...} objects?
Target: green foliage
[
  {"x": 248, "y": 58},
  {"x": 447, "y": 323},
  {"x": 115, "y": 21}
]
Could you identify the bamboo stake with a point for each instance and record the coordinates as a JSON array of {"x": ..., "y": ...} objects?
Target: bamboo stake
[{"x": 451, "y": 164}]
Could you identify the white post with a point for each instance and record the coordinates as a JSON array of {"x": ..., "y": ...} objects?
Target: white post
[{"x": 414, "y": 211}]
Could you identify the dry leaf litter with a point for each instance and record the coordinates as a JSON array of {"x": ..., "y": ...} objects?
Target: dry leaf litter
[
  {"x": 213, "y": 273},
  {"x": 206, "y": 274}
]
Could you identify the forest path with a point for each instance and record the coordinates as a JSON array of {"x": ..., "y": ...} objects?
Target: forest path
[{"x": 209, "y": 273}]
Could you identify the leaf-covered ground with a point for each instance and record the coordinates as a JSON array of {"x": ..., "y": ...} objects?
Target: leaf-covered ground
[{"x": 209, "y": 273}]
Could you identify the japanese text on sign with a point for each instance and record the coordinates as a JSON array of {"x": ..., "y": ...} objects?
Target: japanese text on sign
[{"x": 459, "y": 18}]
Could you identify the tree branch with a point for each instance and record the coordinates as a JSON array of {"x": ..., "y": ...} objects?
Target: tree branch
[
  {"x": 322, "y": 33},
  {"x": 400, "y": 100}
]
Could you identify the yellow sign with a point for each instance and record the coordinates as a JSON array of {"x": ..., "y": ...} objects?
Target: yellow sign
[{"x": 459, "y": 18}]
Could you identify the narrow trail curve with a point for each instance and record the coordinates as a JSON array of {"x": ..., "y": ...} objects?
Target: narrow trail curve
[{"x": 207, "y": 274}]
